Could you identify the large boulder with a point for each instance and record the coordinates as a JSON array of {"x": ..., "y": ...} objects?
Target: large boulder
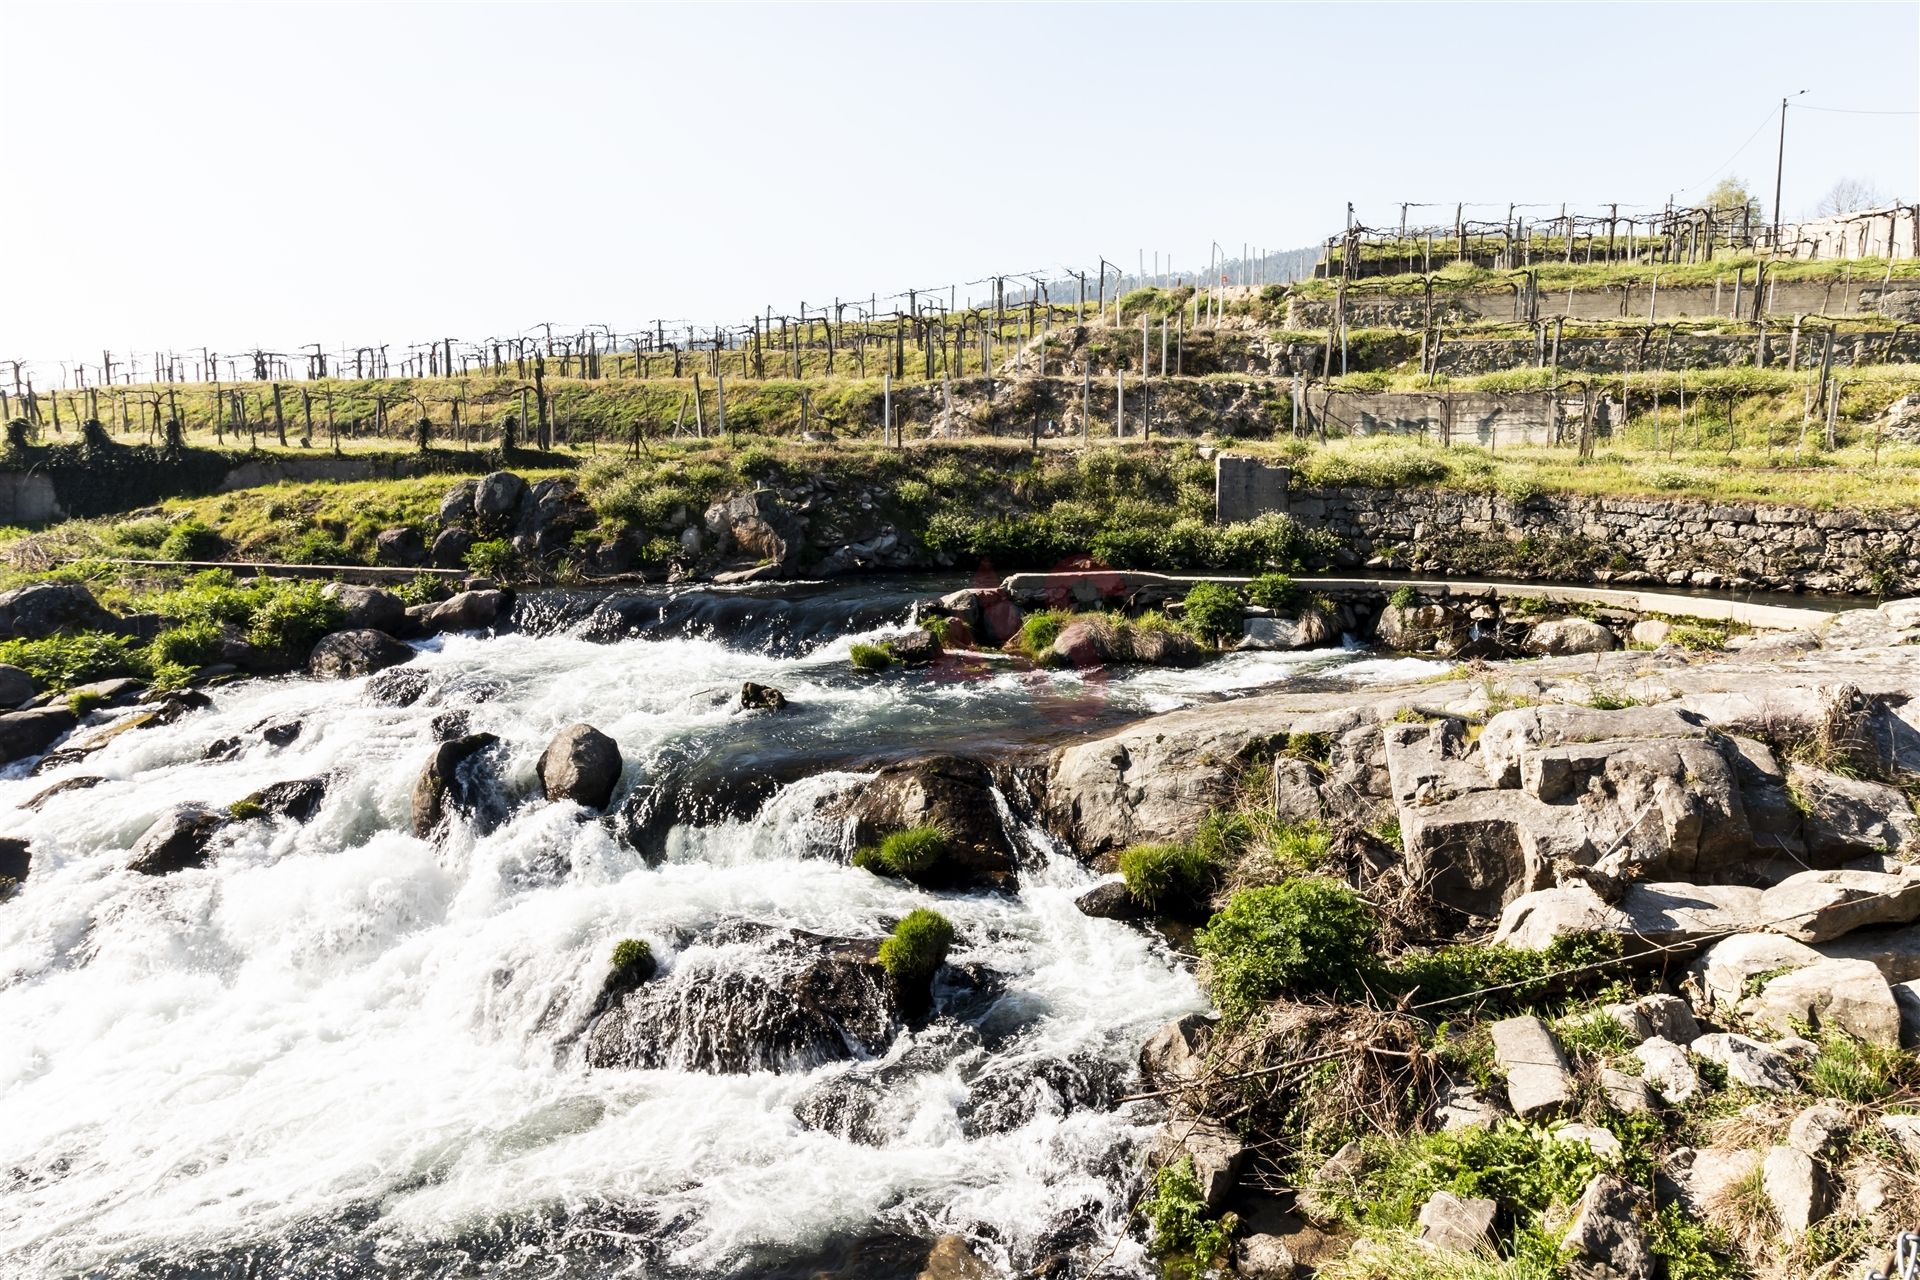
[
  {"x": 755, "y": 526},
  {"x": 444, "y": 786},
  {"x": 450, "y": 547},
  {"x": 28, "y": 733},
  {"x": 456, "y": 505},
  {"x": 16, "y": 686},
  {"x": 1311, "y": 630},
  {"x": 496, "y": 501},
  {"x": 1417, "y": 628},
  {"x": 948, "y": 792},
  {"x": 1560, "y": 636},
  {"x": 753, "y": 1001},
  {"x": 400, "y": 547},
  {"x": 177, "y": 840},
  {"x": 990, "y": 614},
  {"x": 1845, "y": 995},
  {"x": 297, "y": 799},
  {"x": 345, "y": 654},
  {"x": 1848, "y": 818},
  {"x": 1646, "y": 916},
  {"x": 581, "y": 764},
  {"x": 467, "y": 611},
  {"x": 1725, "y": 973},
  {"x": 1176, "y": 1054},
  {"x": 43, "y": 609},
  {"x": 368, "y": 608},
  {"x": 1608, "y": 1239}
]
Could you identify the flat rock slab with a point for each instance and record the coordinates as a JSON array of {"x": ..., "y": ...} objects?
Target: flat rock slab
[
  {"x": 1457, "y": 1224},
  {"x": 1747, "y": 1061},
  {"x": 1819, "y": 906},
  {"x": 1646, "y": 916},
  {"x": 1538, "y": 1080},
  {"x": 1846, "y": 995}
]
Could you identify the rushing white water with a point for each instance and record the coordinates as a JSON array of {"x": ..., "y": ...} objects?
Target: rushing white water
[{"x": 340, "y": 1050}]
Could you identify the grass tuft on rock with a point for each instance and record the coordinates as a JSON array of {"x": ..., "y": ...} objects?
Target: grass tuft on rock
[
  {"x": 632, "y": 960},
  {"x": 1168, "y": 877},
  {"x": 911, "y": 852},
  {"x": 870, "y": 658},
  {"x": 917, "y": 946}
]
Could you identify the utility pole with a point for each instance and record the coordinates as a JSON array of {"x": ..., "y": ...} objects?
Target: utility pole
[{"x": 1779, "y": 167}]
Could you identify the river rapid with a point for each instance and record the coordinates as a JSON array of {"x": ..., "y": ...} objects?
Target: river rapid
[{"x": 337, "y": 1050}]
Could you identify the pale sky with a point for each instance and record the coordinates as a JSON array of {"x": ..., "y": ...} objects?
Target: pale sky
[{"x": 232, "y": 176}]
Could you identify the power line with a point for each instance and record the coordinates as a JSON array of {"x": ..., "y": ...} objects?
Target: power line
[
  {"x": 1860, "y": 111},
  {"x": 1765, "y": 120}
]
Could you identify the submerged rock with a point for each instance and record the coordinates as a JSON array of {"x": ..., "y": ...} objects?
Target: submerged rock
[
  {"x": 298, "y": 799},
  {"x": 442, "y": 787},
  {"x": 397, "y": 687},
  {"x": 177, "y": 840}
]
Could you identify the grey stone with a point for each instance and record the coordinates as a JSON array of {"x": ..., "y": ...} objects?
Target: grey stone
[
  {"x": 1904, "y": 1130},
  {"x": 497, "y": 499},
  {"x": 1713, "y": 1174},
  {"x": 450, "y": 547},
  {"x": 28, "y": 733},
  {"x": 1723, "y": 973},
  {"x": 1847, "y": 995},
  {"x": 1110, "y": 900},
  {"x": 1215, "y": 1150},
  {"x": 1457, "y": 1224},
  {"x": 1850, "y": 817},
  {"x": 1819, "y": 906},
  {"x": 1747, "y": 1061},
  {"x": 1817, "y": 1130},
  {"x": 440, "y": 791},
  {"x": 1650, "y": 633},
  {"x": 581, "y": 765},
  {"x": 1311, "y": 630},
  {"x": 1647, "y": 915},
  {"x": 402, "y": 547},
  {"x": 345, "y": 654},
  {"x": 1631, "y": 1020},
  {"x": 1668, "y": 1017},
  {"x": 367, "y": 608},
  {"x": 1895, "y": 952},
  {"x": 1176, "y": 1054},
  {"x": 756, "y": 525},
  {"x": 43, "y": 609},
  {"x": 1465, "y": 1107},
  {"x": 1263, "y": 1256},
  {"x": 176, "y": 841},
  {"x": 1606, "y": 1240},
  {"x": 1906, "y": 995},
  {"x": 1570, "y": 635},
  {"x": 1796, "y": 1187},
  {"x": 1624, "y": 1092},
  {"x": 467, "y": 611},
  {"x": 1597, "y": 1140},
  {"x": 1538, "y": 1080},
  {"x": 456, "y": 505},
  {"x": 16, "y": 686},
  {"x": 1665, "y": 1066}
]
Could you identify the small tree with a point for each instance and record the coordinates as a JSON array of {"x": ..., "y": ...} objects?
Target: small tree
[
  {"x": 423, "y": 433},
  {"x": 1849, "y": 195},
  {"x": 1730, "y": 197}
]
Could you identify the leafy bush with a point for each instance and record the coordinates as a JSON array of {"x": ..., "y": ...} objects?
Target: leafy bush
[
  {"x": 191, "y": 644},
  {"x": 60, "y": 662},
  {"x": 492, "y": 558},
  {"x": 1213, "y": 611},
  {"x": 904, "y": 853},
  {"x": 318, "y": 546},
  {"x": 1301, "y": 937},
  {"x": 1167, "y": 877},
  {"x": 189, "y": 539},
  {"x": 1188, "y": 1240},
  {"x": 870, "y": 657},
  {"x": 1270, "y": 590},
  {"x": 917, "y": 946},
  {"x": 292, "y": 616},
  {"x": 423, "y": 588}
]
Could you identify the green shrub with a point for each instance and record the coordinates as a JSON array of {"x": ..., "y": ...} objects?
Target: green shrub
[
  {"x": 757, "y": 462},
  {"x": 917, "y": 946},
  {"x": 1213, "y": 611},
  {"x": 423, "y": 588},
  {"x": 189, "y": 539},
  {"x": 1187, "y": 1239},
  {"x": 1167, "y": 877},
  {"x": 1513, "y": 977},
  {"x": 1403, "y": 598},
  {"x": 1302, "y": 937},
  {"x": 57, "y": 663},
  {"x": 492, "y": 558},
  {"x": 317, "y": 546},
  {"x": 904, "y": 853},
  {"x": 1270, "y": 590},
  {"x": 870, "y": 658},
  {"x": 191, "y": 644},
  {"x": 214, "y": 595},
  {"x": 292, "y": 616}
]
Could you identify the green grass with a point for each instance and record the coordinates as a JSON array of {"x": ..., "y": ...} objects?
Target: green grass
[
  {"x": 870, "y": 658},
  {"x": 1308, "y": 936},
  {"x": 917, "y": 946},
  {"x": 911, "y": 852},
  {"x": 1168, "y": 877},
  {"x": 1213, "y": 611}
]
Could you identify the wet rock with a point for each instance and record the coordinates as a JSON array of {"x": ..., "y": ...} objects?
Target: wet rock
[
  {"x": 1819, "y": 906},
  {"x": 16, "y": 686},
  {"x": 1110, "y": 900},
  {"x": 442, "y": 788},
  {"x": 367, "y": 608},
  {"x": 1606, "y": 1240},
  {"x": 1311, "y": 630},
  {"x": 28, "y": 733},
  {"x": 1008, "y": 1094},
  {"x": 952, "y": 1259},
  {"x": 61, "y": 788},
  {"x": 448, "y": 725},
  {"x": 1560, "y": 636},
  {"x": 449, "y": 550},
  {"x": 1666, "y": 1066},
  {"x": 1747, "y": 1061},
  {"x": 761, "y": 697},
  {"x": 1176, "y": 1054},
  {"x": 177, "y": 840},
  {"x": 496, "y": 500},
  {"x": 990, "y": 614},
  {"x": 1796, "y": 1187},
  {"x": 16, "y": 859},
  {"x": 345, "y": 654},
  {"x": 1847, "y": 995},
  {"x": 467, "y": 611},
  {"x": 1457, "y": 1224},
  {"x": 397, "y": 687},
  {"x": 915, "y": 648},
  {"x": 582, "y": 765},
  {"x": 48, "y": 608},
  {"x": 1850, "y": 818},
  {"x": 948, "y": 792},
  {"x": 296, "y": 800},
  {"x": 402, "y": 547},
  {"x": 799, "y": 1002},
  {"x": 1538, "y": 1079}
]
